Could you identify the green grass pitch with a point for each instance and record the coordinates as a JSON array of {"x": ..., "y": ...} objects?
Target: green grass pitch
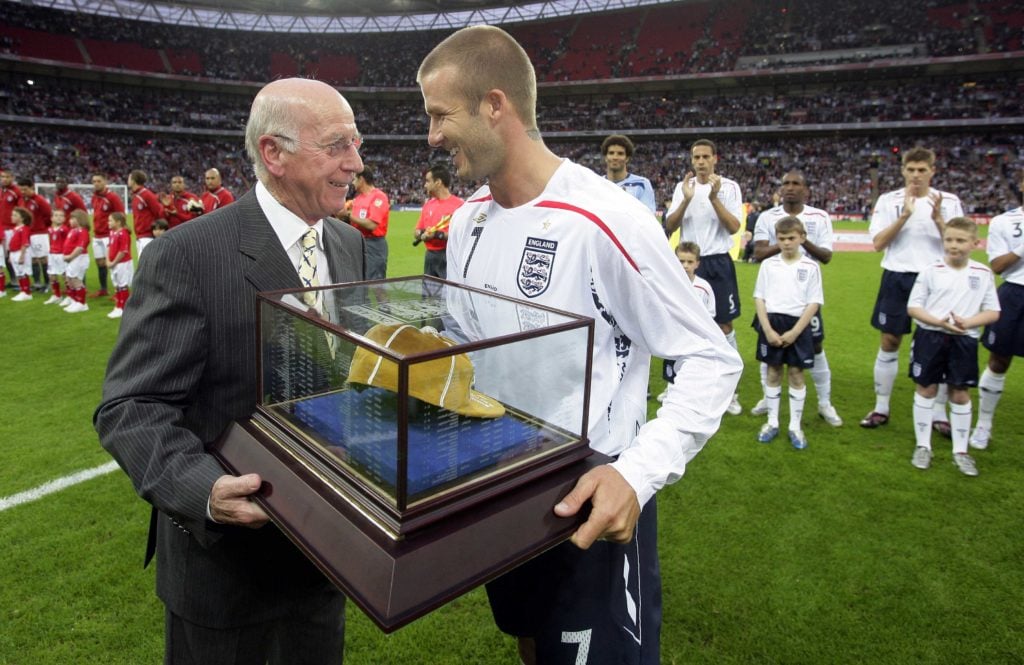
[{"x": 842, "y": 553}]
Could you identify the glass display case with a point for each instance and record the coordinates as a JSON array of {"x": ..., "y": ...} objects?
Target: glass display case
[{"x": 401, "y": 421}]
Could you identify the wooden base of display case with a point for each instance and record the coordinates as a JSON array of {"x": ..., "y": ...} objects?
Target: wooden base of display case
[{"x": 398, "y": 580}]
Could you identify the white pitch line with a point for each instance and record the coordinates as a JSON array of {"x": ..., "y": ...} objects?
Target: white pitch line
[{"x": 55, "y": 486}]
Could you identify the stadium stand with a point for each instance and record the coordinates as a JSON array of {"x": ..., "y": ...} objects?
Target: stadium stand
[{"x": 818, "y": 94}]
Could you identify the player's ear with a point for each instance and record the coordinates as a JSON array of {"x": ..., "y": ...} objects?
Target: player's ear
[{"x": 495, "y": 104}]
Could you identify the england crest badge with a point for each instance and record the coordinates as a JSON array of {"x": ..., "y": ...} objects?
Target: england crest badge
[{"x": 535, "y": 266}]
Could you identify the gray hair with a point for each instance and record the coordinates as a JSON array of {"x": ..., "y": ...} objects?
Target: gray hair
[{"x": 270, "y": 115}]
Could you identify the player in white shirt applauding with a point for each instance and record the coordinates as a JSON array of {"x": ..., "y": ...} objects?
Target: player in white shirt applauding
[{"x": 906, "y": 224}]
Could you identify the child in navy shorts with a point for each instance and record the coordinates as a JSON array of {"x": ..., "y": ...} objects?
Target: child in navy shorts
[
  {"x": 951, "y": 300},
  {"x": 787, "y": 295}
]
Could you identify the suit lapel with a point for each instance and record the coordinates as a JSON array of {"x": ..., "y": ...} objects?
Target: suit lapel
[
  {"x": 268, "y": 267},
  {"x": 343, "y": 258}
]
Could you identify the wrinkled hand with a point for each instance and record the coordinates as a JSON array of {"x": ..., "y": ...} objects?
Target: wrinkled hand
[
  {"x": 688, "y": 185},
  {"x": 230, "y": 502},
  {"x": 614, "y": 507},
  {"x": 716, "y": 184}
]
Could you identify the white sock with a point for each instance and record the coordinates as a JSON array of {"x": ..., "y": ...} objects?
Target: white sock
[
  {"x": 821, "y": 374},
  {"x": 772, "y": 397},
  {"x": 764, "y": 378},
  {"x": 923, "y": 420},
  {"x": 731, "y": 338},
  {"x": 887, "y": 365},
  {"x": 990, "y": 389},
  {"x": 797, "y": 397},
  {"x": 960, "y": 422},
  {"x": 939, "y": 409}
]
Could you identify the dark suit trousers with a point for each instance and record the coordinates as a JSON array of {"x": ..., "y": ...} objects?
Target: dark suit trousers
[{"x": 316, "y": 637}]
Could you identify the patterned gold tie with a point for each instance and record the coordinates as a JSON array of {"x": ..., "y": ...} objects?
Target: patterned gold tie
[{"x": 308, "y": 272}]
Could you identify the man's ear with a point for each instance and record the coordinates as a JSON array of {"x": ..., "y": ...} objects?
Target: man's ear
[
  {"x": 271, "y": 154},
  {"x": 495, "y": 104}
]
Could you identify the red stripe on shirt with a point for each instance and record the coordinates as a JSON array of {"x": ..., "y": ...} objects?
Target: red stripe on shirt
[{"x": 596, "y": 220}]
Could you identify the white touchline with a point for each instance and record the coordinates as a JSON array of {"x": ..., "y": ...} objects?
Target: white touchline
[{"x": 54, "y": 486}]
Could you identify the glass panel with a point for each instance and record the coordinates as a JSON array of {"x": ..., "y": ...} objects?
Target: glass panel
[{"x": 416, "y": 387}]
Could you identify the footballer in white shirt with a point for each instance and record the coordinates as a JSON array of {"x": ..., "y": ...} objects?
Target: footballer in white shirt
[
  {"x": 558, "y": 234},
  {"x": 906, "y": 224},
  {"x": 1005, "y": 338},
  {"x": 707, "y": 208}
]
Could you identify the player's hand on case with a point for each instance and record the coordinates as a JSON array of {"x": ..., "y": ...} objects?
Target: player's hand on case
[
  {"x": 614, "y": 507},
  {"x": 230, "y": 501}
]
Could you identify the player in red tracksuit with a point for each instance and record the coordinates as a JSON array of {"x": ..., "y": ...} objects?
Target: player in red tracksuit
[
  {"x": 38, "y": 236},
  {"x": 180, "y": 205},
  {"x": 146, "y": 207},
  {"x": 215, "y": 195},
  {"x": 104, "y": 202},
  {"x": 66, "y": 199},
  {"x": 119, "y": 257}
]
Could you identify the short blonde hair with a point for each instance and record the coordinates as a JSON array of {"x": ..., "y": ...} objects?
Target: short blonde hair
[{"x": 487, "y": 58}]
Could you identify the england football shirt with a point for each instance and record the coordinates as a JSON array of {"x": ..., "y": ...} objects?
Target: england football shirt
[
  {"x": 787, "y": 288},
  {"x": 919, "y": 243},
  {"x": 941, "y": 290},
  {"x": 1005, "y": 234},
  {"x": 584, "y": 247},
  {"x": 700, "y": 223},
  {"x": 815, "y": 220}
]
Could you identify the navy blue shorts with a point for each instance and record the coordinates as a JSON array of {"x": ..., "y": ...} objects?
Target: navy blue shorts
[
  {"x": 720, "y": 271},
  {"x": 890, "y": 315},
  {"x": 938, "y": 357},
  {"x": 597, "y": 606},
  {"x": 798, "y": 354},
  {"x": 1005, "y": 337}
]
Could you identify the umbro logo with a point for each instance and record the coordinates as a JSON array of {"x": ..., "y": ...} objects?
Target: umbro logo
[{"x": 480, "y": 218}]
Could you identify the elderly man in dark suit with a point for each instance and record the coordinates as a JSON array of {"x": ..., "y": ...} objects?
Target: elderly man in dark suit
[{"x": 184, "y": 367}]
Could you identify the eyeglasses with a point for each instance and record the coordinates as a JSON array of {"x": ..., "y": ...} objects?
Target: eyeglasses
[{"x": 330, "y": 149}]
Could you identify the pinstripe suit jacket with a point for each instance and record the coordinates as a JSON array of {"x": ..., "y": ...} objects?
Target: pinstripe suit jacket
[{"x": 182, "y": 370}]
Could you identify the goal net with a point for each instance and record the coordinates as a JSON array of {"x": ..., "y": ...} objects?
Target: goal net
[{"x": 84, "y": 189}]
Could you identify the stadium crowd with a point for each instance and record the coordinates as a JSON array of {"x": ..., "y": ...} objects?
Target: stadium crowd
[
  {"x": 932, "y": 99},
  {"x": 717, "y": 34},
  {"x": 845, "y": 173}
]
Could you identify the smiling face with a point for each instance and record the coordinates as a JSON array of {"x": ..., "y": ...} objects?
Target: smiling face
[
  {"x": 460, "y": 127},
  {"x": 312, "y": 181}
]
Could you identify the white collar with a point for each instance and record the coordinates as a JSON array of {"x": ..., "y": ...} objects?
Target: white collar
[{"x": 288, "y": 226}]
